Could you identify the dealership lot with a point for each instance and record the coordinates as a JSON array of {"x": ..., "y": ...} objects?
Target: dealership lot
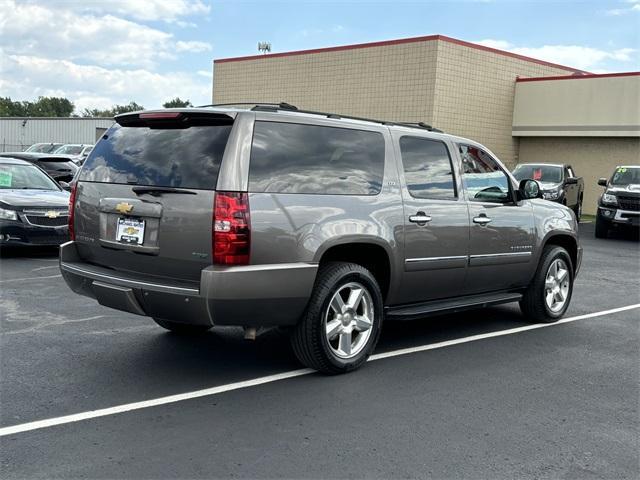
[{"x": 544, "y": 403}]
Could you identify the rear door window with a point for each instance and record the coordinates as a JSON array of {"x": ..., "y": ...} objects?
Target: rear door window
[
  {"x": 427, "y": 168},
  {"x": 297, "y": 158},
  {"x": 187, "y": 158}
]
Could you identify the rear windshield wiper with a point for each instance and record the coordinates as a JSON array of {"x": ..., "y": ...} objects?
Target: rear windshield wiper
[{"x": 160, "y": 190}]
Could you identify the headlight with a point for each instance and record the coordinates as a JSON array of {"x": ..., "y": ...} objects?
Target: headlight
[
  {"x": 551, "y": 195},
  {"x": 609, "y": 199},
  {"x": 8, "y": 214}
]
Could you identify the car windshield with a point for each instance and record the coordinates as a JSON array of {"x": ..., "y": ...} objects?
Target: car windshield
[
  {"x": 541, "y": 173},
  {"x": 24, "y": 177},
  {"x": 626, "y": 176},
  {"x": 70, "y": 149},
  {"x": 43, "y": 147}
]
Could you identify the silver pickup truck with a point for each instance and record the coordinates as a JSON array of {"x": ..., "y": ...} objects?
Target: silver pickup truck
[{"x": 322, "y": 224}]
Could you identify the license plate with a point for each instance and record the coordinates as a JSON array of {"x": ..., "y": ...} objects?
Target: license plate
[{"x": 130, "y": 230}]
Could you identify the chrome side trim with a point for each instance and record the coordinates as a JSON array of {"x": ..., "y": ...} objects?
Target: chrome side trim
[
  {"x": 127, "y": 282},
  {"x": 434, "y": 259},
  {"x": 507, "y": 254},
  {"x": 505, "y": 258},
  {"x": 435, "y": 263}
]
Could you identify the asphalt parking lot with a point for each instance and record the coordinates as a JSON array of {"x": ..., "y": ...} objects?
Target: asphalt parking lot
[{"x": 558, "y": 401}]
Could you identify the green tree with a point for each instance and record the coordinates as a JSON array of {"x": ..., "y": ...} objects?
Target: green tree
[
  {"x": 177, "y": 103},
  {"x": 43, "y": 107},
  {"x": 113, "y": 111}
]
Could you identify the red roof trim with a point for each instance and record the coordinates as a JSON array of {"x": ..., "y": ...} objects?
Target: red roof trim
[
  {"x": 579, "y": 77},
  {"x": 398, "y": 42}
]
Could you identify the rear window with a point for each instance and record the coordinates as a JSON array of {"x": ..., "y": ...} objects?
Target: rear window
[
  {"x": 295, "y": 158},
  {"x": 187, "y": 158}
]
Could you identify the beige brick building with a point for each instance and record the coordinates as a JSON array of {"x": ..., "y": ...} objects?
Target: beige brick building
[{"x": 459, "y": 87}]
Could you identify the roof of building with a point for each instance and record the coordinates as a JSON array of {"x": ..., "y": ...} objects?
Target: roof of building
[
  {"x": 426, "y": 38},
  {"x": 578, "y": 77}
]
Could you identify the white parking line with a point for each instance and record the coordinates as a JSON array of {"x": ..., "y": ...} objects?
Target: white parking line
[
  {"x": 26, "y": 427},
  {"x": 28, "y": 278}
]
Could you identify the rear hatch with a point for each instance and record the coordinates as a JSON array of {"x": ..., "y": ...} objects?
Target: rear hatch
[{"x": 144, "y": 199}]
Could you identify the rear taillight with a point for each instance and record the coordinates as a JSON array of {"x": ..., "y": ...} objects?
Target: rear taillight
[
  {"x": 231, "y": 228},
  {"x": 72, "y": 209}
]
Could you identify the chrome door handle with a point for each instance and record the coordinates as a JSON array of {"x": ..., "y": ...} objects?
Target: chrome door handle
[
  {"x": 420, "y": 218},
  {"x": 481, "y": 220}
]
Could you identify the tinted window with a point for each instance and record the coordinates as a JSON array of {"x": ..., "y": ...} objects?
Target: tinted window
[
  {"x": 188, "y": 158},
  {"x": 482, "y": 177},
  {"x": 541, "y": 173},
  {"x": 427, "y": 168},
  {"x": 294, "y": 158}
]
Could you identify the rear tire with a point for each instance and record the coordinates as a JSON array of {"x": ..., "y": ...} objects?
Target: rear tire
[
  {"x": 602, "y": 228},
  {"x": 182, "y": 328},
  {"x": 549, "y": 294},
  {"x": 341, "y": 324}
]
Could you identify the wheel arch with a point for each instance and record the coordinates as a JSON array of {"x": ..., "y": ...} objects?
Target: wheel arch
[
  {"x": 566, "y": 241},
  {"x": 373, "y": 255}
]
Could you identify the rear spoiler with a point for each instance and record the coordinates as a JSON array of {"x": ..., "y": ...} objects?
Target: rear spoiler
[{"x": 173, "y": 119}]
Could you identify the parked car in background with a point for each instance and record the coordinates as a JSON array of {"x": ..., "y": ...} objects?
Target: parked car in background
[
  {"x": 34, "y": 209},
  {"x": 60, "y": 167},
  {"x": 77, "y": 152},
  {"x": 619, "y": 204},
  {"x": 316, "y": 222},
  {"x": 558, "y": 182},
  {"x": 43, "y": 147}
]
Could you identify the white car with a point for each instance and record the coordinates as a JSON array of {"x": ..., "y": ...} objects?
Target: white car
[{"x": 77, "y": 151}]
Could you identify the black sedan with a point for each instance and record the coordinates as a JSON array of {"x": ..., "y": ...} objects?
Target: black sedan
[
  {"x": 60, "y": 167},
  {"x": 34, "y": 210}
]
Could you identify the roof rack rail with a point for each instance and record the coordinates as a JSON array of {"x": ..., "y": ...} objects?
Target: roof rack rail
[
  {"x": 420, "y": 125},
  {"x": 284, "y": 106},
  {"x": 281, "y": 105}
]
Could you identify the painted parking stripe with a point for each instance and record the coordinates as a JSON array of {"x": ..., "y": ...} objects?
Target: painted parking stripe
[
  {"x": 51, "y": 422},
  {"x": 29, "y": 278}
]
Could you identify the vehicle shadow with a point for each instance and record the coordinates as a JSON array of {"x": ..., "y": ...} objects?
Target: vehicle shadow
[
  {"x": 28, "y": 252},
  {"x": 223, "y": 354}
]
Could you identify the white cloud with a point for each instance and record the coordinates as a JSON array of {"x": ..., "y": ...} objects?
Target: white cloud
[
  {"x": 571, "y": 55},
  {"x": 635, "y": 7},
  {"x": 33, "y": 29},
  {"x": 95, "y": 86},
  {"x": 149, "y": 10},
  {"x": 193, "y": 46}
]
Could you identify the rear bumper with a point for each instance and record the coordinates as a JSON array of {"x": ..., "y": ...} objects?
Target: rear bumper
[{"x": 254, "y": 295}]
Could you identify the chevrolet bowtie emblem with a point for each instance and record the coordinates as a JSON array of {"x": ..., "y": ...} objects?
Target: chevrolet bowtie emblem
[
  {"x": 52, "y": 214},
  {"x": 124, "y": 207}
]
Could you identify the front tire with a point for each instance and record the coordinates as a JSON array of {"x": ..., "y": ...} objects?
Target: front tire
[
  {"x": 182, "y": 328},
  {"x": 549, "y": 294},
  {"x": 602, "y": 227},
  {"x": 342, "y": 322}
]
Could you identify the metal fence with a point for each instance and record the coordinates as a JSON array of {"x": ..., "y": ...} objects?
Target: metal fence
[{"x": 13, "y": 147}]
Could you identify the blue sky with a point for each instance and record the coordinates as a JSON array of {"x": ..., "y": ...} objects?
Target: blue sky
[{"x": 103, "y": 52}]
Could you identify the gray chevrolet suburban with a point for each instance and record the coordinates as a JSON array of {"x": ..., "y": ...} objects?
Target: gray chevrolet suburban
[{"x": 322, "y": 224}]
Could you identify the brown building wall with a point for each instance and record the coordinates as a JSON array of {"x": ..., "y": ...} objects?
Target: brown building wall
[
  {"x": 474, "y": 95},
  {"x": 462, "y": 88},
  {"x": 393, "y": 82},
  {"x": 592, "y": 158}
]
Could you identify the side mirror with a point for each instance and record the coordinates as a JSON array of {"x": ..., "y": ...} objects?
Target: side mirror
[
  {"x": 65, "y": 186},
  {"x": 529, "y": 189},
  {"x": 571, "y": 181},
  {"x": 602, "y": 182}
]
